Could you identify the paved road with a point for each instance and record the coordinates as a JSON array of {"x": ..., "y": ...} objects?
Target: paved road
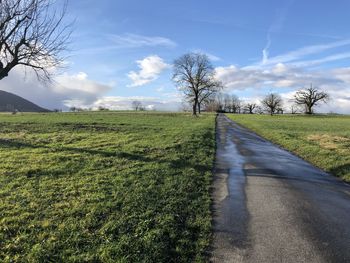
[{"x": 271, "y": 206}]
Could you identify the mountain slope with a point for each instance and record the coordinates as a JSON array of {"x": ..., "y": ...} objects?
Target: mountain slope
[{"x": 10, "y": 102}]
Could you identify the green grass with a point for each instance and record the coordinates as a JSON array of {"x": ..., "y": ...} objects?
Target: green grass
[
  {"x": 105, "y": 187},
  {"x": 323, "y": 140}
]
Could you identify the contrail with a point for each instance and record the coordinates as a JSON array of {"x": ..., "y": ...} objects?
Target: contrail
[
  {"x": 276, "y": 26},
  {"x": 266, "y": 50}
]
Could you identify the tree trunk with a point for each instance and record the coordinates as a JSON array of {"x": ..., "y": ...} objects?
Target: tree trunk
[
  {"x": 4, "y": 71},
  {"x": 199, "y": 108},
  {"x": 309, "y": 109},
  {"x": 194, "y": 108}
]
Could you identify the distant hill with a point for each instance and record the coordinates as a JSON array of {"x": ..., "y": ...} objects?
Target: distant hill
[{"x": 10, "y": 102}]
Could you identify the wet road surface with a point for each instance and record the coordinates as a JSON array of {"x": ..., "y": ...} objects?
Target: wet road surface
[{"x": 271, "y": 206}]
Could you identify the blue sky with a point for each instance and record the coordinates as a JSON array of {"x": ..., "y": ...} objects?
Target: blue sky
[{"x": 122, "y": 50}]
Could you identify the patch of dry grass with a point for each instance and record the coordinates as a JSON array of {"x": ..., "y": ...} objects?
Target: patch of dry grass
[{"x": 331, "y": 142}]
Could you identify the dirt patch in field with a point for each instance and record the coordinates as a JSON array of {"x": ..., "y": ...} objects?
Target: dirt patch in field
[{"x": 330, "y": 142}]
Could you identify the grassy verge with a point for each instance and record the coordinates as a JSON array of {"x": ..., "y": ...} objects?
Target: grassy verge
[
  {"x": 105, "y": 187},
  {"x": 322, "y": 140}
]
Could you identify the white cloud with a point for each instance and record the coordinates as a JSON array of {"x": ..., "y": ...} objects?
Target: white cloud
[
  {"x": 213, "y": 57},
  {"x": 280, "y": 76},
  {"x": 79, "y": 91},
  {"x": 279, "y": 68},
  {"x": 284, "y": 83},
  {"x": 234, "y": 77},
  {"x": 125, "y": 41},
  {"x": 302, "y": 52},
  {"x": 136, "y": 41},
  {"x": 341, "y": 73},
  {"x": 151, "y": 107},
  {"x": 150, "y": 69},
  {"x": 315, "y": 62},
  {"x": 290, "y": 71},
  {"x": 125, "y": 103},
  {"x": 65, "y": 87},
  {"x": 78, "y": 83}
]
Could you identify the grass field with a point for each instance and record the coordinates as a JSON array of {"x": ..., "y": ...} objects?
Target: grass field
[
  {"x": 322, "y": 140},
  {"x": 105, "y": 187}
]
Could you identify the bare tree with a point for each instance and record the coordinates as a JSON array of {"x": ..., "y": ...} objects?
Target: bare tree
[
  {"x": 136, "y": 105},
  {"x": 102, "y": 108},
  {"x": 258, "y": 109},
  {"x": 32, "y": 34},
  {"x": 272, "y": 102},
  {"x": 194, "y": 75},
  {"x": 209, "y": 92},
  {"x": 236, "y": 104},
  {"x": 227, "y": 103},
  {"x": 250, "y": 107},
  {"x": 211, "y": 104},
  {"x": 279, "y": 110},
  {"x": 294, "y": 109},
  {"x": 310, "y": 97},
  {"x": 220, "y": 102},
  {"x": 185, "y": 106},
  {"x": 205, "y": 98}
]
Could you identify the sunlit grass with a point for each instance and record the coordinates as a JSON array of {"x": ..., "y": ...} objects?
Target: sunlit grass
[
  {"x": 105, "y": 187},
  {"x": 323, "y": 140}
]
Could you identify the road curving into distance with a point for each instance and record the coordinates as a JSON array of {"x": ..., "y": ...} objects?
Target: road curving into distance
[{"x": 271, "y": 206}]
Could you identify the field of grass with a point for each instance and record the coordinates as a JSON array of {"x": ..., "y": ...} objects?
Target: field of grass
[
  {"x": 322, "y": 140},
  {"x": 105, "y": 187}
]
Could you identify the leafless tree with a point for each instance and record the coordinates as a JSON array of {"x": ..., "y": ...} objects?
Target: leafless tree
[
  {"x": 136, "y": 105},
  {"x": 310, "y": 97},
  {"x": 205, "y": 98},
  {"x": 272, "y": 102},
  {"x": 250, "y": 107},
  {"x": 220, "y": 102},
  {"x": 227, "y": 103},
  {"x": 32, "y": 34},
  {"x": 294, "y": 109},
  {"x": 194, "y": 76},
  {"x": 102, "y": 108},
  {"x": 207, "y": 94},
  {"x": 258, "y": 109},
  {"x": 211, "y": 104},
  {"x": 236, "y": 104},
  {"x": 185, "y": 106}
]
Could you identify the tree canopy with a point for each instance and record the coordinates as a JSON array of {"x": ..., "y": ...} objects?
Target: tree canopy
[
  {"x": 194, "y": 76},
  {"x": 310, "y": 97},
  {"x": 32, "y": 34}
]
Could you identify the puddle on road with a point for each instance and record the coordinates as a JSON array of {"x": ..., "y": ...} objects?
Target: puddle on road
[{"x": 230, "y": 211}]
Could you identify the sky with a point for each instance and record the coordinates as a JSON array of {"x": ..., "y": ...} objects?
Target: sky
[{"x": 122, "y": 51}]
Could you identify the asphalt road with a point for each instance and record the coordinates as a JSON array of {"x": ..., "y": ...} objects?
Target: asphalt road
[{"x": 271, "y": 206}]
